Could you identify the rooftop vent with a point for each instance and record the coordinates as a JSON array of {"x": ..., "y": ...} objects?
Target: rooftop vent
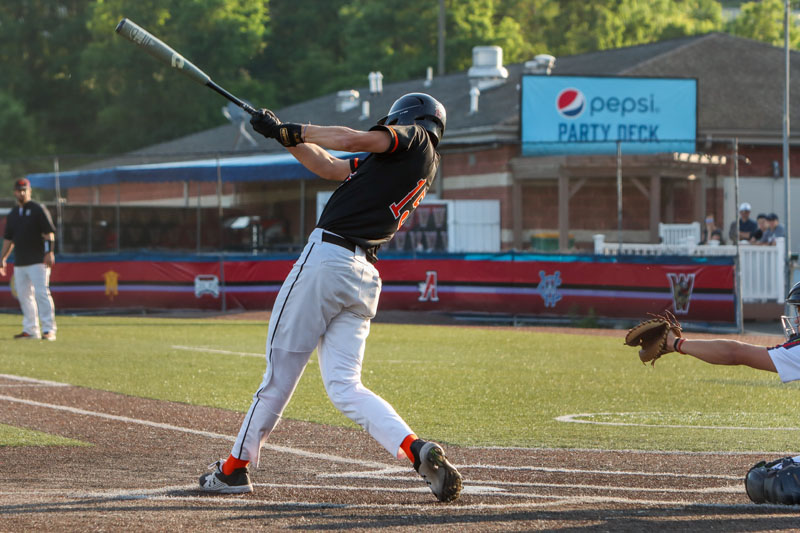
[
  {"x": 474, "y": 96},
  {"x": 541, "y": 64},
  {"x": 487, "y": 68},
  {"x": 347, "y": 100},
  {"x": 375, "y": 83},
  {"x": 364, "y": 110}
]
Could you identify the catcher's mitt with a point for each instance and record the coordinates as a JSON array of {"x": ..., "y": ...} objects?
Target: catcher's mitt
[{"x": 651, "y": 335}]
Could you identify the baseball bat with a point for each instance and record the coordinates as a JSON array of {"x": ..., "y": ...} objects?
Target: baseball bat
[{"x": 164, "y": 53}]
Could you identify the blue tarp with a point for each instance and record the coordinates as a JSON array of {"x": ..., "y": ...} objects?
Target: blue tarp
[{"x": 251, "y": 168}]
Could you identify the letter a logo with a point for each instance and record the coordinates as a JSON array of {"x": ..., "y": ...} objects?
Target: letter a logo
[{"x": 429, "y": 290}]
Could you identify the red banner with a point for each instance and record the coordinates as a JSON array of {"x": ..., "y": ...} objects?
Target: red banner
[{"x": 515, "y": 284}]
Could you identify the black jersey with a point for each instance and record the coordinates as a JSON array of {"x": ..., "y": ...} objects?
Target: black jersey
[
  {"x": 25, "y": 227},
  {"x": 383, "y": 189}
]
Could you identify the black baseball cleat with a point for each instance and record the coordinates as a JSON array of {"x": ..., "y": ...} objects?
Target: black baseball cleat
[
  {"x": 24, "y": 335},
  {"x": 441, "y": 476},
  {"x": 238, "y": 482}
]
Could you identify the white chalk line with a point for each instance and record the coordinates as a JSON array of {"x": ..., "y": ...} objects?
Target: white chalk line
[
  {"x": 368, "y": 474},
  {"x": 494, "y": 485},
  {"x": 162, "y": 494},
  {"x": 214, "y": 350},
  {"x": 31, "y": 382},
  {"x": 574, "y": 419},
  {"x": 261, "y": 355},
  {"x": 160, "y": 425},
  {"x": 381, "y": 467}
]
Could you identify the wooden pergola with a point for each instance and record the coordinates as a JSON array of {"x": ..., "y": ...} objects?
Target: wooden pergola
[{"x": 645, "y": 172}]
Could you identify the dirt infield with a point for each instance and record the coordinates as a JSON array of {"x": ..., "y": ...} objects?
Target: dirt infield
[{"x": 141, "y": 470}]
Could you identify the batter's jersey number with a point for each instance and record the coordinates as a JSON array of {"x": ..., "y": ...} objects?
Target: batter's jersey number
[{"x": 397, "y": 207}]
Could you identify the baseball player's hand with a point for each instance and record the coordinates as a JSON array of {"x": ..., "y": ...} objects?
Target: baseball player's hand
[
  {"x": 270, "y": 126},
  {"x": 3, "y": 268},
  {"x": 49, "y": 259}
]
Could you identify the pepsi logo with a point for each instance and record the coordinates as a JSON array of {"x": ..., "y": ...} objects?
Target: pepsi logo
[{"x": 570, "y": 103}]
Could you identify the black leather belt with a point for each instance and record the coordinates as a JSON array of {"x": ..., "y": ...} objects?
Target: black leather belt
[{"x": 338, "y": 241}]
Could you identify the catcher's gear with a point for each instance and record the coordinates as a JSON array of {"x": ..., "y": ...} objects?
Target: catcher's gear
[
  {"x": 791, "y": 321},
  {"x": 774, "y": 482},
  {"x": 651, "y": 335}
]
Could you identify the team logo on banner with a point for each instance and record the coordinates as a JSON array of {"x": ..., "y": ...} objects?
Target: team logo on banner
[
  {"x": 206, "y": 284},
  {"x": 682, "y": 286},
  {"x": 548, "y": 288},
  {"x": 112, "y": 284},
  {"x": 429, "y": 289},
  {"x": 570, "y": 103}
]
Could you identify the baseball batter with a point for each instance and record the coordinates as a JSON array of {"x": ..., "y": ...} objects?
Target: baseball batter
[
  {"x": 776, "y": 481},
  {"x": 30, "y": 233},
  {"x": 331, "y": 294}
]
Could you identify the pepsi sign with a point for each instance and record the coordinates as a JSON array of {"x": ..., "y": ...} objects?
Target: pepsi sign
[
  {"x": 589, "y": 115},
  {"x": 570, "y": 103}
]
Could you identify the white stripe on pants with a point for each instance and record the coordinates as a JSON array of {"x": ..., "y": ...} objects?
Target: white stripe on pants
[
  {"x": 326, "y": 302},
  {"x": 33, "y": 292}
]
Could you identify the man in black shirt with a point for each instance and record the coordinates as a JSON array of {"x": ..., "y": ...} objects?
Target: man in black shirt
[
  {"x": 331, "y": 294},
  {"x": 31, "y": 235},
  {"x": 746, "y": 225}
]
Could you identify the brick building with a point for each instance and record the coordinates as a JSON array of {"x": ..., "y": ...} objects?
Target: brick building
[{"x": 739, "y": 95}]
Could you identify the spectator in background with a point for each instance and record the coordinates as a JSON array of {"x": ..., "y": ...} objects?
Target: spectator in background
[
  {"x": 708, "y": 229},
  {"x": 746, "y": 225},
  {"x": 775, "y": 230},
  {"x": 716, "y": 238},
  {"x": 757, "y": 235}
]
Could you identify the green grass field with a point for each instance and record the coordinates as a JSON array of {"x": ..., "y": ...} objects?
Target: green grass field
[{"x": 467, "y": 386}]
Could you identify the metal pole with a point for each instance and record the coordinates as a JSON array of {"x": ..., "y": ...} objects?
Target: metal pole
[
  {"x": 118, "y": 214},
  {"x": 786, "y": 175},
  {"x": 738, "y": 263},
  {"x": 619, "y": 196},
  {"x": 199, "y": 221},
  {"x": 59, "y": 219},
  {"x": 441, "y": 37},
  {"x": 223, "y": 301},
  {"x": 219, "y": 202}
]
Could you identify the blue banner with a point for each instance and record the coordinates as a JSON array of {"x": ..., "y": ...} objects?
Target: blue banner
[{"x": 588, "y": 115}]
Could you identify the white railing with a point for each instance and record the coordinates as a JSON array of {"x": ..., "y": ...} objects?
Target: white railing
[
  {"x": 671, "y": 234},
  {"x": 762, "y": 267}
]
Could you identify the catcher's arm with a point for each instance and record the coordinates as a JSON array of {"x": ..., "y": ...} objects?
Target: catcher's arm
[{"x": 724, "y": 352}]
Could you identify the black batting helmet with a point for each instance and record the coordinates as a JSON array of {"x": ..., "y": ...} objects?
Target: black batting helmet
[
  {"x": 418, "y": 108},
  {"x": 791, "y": 322}
]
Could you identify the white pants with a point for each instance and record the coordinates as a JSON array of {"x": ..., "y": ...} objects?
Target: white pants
[
  {"x": 326, "y": 302},
  {"x": 33, "y": 292}
]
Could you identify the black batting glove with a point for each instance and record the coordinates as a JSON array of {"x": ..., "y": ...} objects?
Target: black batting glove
[
  {"x": 290, "y": 134},
  {"x": 270, "y": 126},
  {"x": 266, "y": 123}
]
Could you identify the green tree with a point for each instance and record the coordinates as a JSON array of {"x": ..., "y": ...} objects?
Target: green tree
[
  {"x": 577, "y": 26},
  {"x": 143, "y": 101},
  {"x": 763, "y": 21},
  {"x": 40, "y": 44},
  {"x": 305, "y": 53}
]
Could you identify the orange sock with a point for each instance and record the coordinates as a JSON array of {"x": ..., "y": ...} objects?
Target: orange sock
[
  {"x": 406, "y": 446},
  {"x": 231, "y": 464}
]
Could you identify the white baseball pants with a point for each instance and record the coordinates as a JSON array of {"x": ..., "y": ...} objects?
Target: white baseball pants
[
  {"x": 32, "y": 283},
  {"x": 326, "y": 302}
]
